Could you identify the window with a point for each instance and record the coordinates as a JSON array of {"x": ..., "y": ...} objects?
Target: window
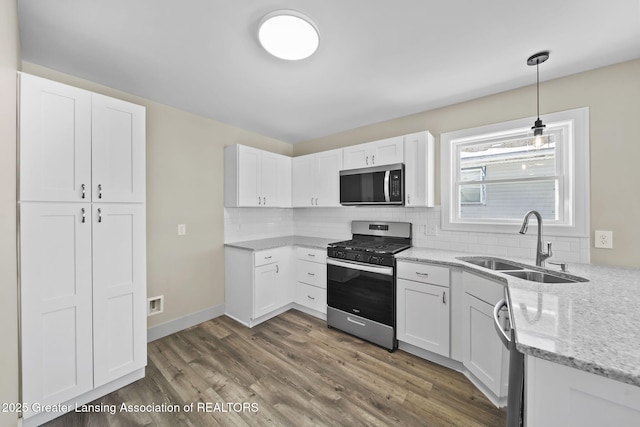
[{"x": 494, "y": 174}]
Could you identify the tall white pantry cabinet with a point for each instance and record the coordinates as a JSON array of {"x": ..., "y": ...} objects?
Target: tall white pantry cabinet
[{"x": 82, "y": 244}]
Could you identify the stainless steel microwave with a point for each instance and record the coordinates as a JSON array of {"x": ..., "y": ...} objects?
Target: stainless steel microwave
[{"x": 378, "y": 185}]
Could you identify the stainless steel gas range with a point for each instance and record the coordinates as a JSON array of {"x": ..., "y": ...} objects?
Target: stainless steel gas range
[{"x": 361, "y": 281}]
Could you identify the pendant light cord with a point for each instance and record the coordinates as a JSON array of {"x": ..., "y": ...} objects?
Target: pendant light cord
[{"x": 538, "y": 86}]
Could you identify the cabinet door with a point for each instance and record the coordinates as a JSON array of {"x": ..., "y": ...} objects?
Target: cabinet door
[
  {"x": 423, "y": 315},
  {"x": 269, "y": 181},
  {"x": 284, "y": 182},
  {"x": 483, "y": 352},
  {"x": 265, "y": 289},
  {"x": 118, "y": 150},
  {"x": 356, "y": 156},
  {"x": 55, "y": 141},
  {"x": 304, "y": 181},
  {"x": 249, "y": 175},
  {"x": 328, "y": 166},
  {"x": 387, "y": 151},
  {"x": 414, "y": 170},
  {"x": 55, "y": 257},
  {"x": 119, "y": 290}
]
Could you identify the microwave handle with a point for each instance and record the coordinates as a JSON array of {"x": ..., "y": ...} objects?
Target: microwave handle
[{"x": 387, "y": 189}]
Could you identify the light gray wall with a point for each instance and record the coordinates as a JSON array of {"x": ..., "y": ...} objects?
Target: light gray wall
[{"x": 9, "y": 63}]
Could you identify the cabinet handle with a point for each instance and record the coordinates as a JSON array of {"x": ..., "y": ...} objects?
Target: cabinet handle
[
  {"x": 259, "y": 200},
  {"x": 408, "y": 199},
  {"x": 444, "y": 300},
  {"x": 311, "y": 274},
  {"x": 310, "y": 297},
  {"x": 83, "y": 216},
  {"x": 422, "y": 274},
  {"x": 311, "y": 255},
  {"x": 99, "y": 215},
  {"x": 373, "y": 159},
  {"x": 99, "y": 191},
  {"x": 316, "y": 201},
  {"x": 277, "y": 269},
  {"x": 83, "y": 191},
  {"x": 312, "y": 201},
  {"x": 264, "y": 201},
  {"x": 366, "y": 160},
  {"x": 268, "y": 257}
]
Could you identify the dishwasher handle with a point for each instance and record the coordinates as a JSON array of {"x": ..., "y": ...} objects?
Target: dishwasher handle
[{"x": 496, "y": 322}]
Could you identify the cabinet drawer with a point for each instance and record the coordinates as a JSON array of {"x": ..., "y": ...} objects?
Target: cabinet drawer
[
  {"x": 484, "y": 289},
  {"x": 309, "y": 254},
  {"x": 312, "y": 297},
  {"x": 311, "y": 273},
  {"x": 266, "y": 257},
  {"x": 425, "y": 273}
]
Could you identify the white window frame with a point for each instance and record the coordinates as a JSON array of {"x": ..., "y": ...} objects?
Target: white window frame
[{"x": 572, "y": 163}]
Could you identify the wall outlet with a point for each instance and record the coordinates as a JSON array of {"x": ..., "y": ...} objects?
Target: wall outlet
[
  {"x": 603, "y": 239},
  {"x": 431, "y": 230},
  {"x": 155, "y": 305},
  {"x": 182, "y": 229}
]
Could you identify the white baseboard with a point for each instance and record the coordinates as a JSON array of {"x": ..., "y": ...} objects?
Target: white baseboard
[{"x": 184, "y": 322}]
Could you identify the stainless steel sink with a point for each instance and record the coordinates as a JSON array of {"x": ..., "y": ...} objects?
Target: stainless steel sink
[
  {"x": 491, "y": 263},
  {"x": 542, "y": 277}
]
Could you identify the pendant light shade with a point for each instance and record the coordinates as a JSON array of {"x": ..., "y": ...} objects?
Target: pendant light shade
[{"x": 538, "y": 126}]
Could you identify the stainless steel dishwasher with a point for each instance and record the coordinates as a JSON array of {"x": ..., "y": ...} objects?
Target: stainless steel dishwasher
[{"x": 515, "y": 398}]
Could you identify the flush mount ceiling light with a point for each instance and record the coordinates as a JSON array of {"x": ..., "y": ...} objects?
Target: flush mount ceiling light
[
  {"x": 287, "y": 34},
  {"x": 538, "y": 127}
]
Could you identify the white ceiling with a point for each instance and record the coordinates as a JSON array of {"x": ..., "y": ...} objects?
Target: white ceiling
[{"x": 377, "y": 60}]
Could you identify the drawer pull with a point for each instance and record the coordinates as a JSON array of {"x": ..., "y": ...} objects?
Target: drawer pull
[
  {"x": 356, "y": 321},
  {"x": 310, "y": 297},
  {"x": 268, "y": 257},
  {"x": 444, "y": 301},
  {"x": 311, "y": 255},
  {"x": 311, "y": 274},
  {"x": 422, "y": 274}
]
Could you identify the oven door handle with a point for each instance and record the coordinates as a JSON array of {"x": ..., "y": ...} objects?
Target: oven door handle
[{"x": 387, "y": 271}]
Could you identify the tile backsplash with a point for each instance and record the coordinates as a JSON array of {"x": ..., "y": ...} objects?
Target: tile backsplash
[{"x": 335, "y": 223}]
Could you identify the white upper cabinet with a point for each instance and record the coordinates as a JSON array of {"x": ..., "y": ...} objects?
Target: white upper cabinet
[
  {"x": 316, "y": 179},
  {"x": 419, "y": 169},
  {"x": 55, "y": 141},
  {"x": 117, "y": 150},
  {"x": 254, "y": 177},
  {"x": 383, "y": 152},
  {"x": 79, "y": 146}
]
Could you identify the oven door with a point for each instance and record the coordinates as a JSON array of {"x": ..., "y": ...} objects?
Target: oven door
[{"x": 362, "y": 289}]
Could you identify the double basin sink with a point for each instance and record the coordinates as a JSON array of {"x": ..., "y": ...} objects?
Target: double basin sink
[{"x": 517, "y": 270}]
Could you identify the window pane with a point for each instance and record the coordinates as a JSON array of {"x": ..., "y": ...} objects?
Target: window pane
[
  {"x": 511, "y": 200},
  {"x": 510, "y": 158}
]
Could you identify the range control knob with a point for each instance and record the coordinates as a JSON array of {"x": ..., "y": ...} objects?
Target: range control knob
[{"x": 356, "y": 257}]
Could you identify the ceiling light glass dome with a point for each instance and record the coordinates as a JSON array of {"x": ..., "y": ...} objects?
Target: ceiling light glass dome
[{"x": 287, "y": 34}]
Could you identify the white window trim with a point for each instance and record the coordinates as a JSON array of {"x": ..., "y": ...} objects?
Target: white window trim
[{"x": 578, "y": 210}]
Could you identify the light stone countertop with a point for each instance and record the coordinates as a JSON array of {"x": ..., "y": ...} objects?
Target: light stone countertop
[
  {"x": 593, "y": 326},
  {"x": 278, "y": 242}
]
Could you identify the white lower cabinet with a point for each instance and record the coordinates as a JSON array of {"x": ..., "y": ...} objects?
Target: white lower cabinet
[
  {"x": 257, "y": 284},
  {"x": 558, "y": 395},
  {"x": 311, "y": 279},
  {"x": 484, "y": 355},
  {"x": 423, "y": 302},
  {"x": 83, "y": 297}
]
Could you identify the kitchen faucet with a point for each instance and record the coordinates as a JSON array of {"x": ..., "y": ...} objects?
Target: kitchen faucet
[{"x": 540, "y": 256}]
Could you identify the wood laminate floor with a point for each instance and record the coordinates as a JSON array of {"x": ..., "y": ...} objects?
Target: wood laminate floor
[{"x": 289, "y": 371}]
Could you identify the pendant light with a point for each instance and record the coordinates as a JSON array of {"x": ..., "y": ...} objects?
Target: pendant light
[{"x": 538, "y": 126}]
